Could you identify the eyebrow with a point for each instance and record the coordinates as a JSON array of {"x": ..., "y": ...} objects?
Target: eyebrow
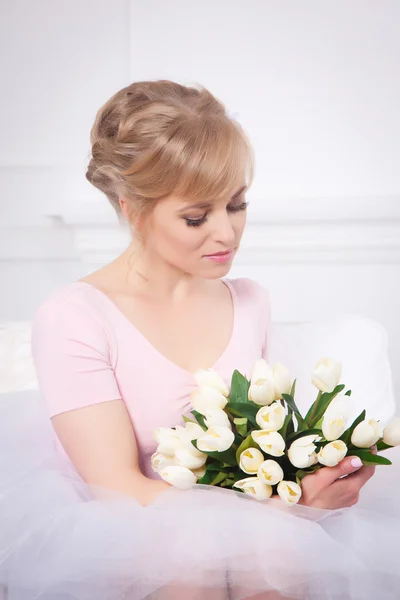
[{"x": 208, "y": 204}]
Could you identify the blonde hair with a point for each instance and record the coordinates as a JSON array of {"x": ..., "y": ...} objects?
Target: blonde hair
[{"x": 156, "y": 138}]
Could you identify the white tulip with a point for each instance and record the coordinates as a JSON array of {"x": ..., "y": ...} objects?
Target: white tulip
[
  {"x": 261, "y": 371},
  {"x": 289, "y": 492},
  {"x": 179, "y": 477},
  {"x": 282, "y": 381},
  {"x": 185, "y": 458},
  {"x": 215, "y": 417},
  {"x": 250, "y": 460},
  {"x": 302, "y": 451},
  {"x": 205, "y": 398},
  {"x": 262, "y": 393},
  {"x": 271, "y": 442},
  {"x": 254, "y": 487},
  {"x": 262, "y": 387},
  {"x": 191, "y": 431},
  {"x": 159, "y": 461},
  {"x": 168, "y": 440},
  {"x": 199, "y": 472},
  {"x": 366, "y": 434},
  {"x": 327, "y": 374},
  {"x": 271, "y": 418},
  {"x": 216, "y": 439},
  {"x": 331, "y": 454},
  {"x": 211, "y": 379},
  {"x": 335, "y": 418},
  {"x": 270, "y": 472},
  {"x": 391, "y": 433}
]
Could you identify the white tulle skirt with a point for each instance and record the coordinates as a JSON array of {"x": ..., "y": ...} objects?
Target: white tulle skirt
[{"x": 59, "y": 541}]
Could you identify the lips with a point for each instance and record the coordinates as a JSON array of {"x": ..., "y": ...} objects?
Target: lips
[{"x": 224, "y": 253}]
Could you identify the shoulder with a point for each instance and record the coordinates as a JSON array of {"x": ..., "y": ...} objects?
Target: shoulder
[
  {"x": 70, "y": 311},
  {"x": 250, "y": 290}
]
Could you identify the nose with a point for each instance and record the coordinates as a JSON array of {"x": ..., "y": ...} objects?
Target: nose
[{"x": 224, "y": 231}]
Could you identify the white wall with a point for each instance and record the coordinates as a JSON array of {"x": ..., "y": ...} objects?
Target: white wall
[{"x": 315, "y": 84}]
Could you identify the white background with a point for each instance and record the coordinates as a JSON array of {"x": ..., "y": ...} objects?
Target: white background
[{"x": 315, "y": 83}]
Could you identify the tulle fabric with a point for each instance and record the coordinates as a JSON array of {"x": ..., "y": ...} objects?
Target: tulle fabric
[{"x": 61, "y": 539}]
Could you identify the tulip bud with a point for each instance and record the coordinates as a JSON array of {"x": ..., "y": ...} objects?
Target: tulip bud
[
  {"x": 270, "y": 472},
  {"x": 159, "y": 461},
  {"x": 191, "y": 431},
  {"x": 254, "y": 487},
  {"x": 215, "y": 417},
  {"x": 179, "y": 477},
  {"x": 289, "y": 492},
  {"x": 282, "y": 380},
  {"x": 250, "y": 460},
  {"x": 216, "y": 439},
  {"x": 271, "y": 418},
  {"x": 168, "y": 440},
  {"x": 326, "y": 374},
  {"x": 331, "y": 454},
  {"x": 302, "y": 451},
  {"x": 199, "y": 473},
  {"x": 188, "y": 459},
  {"x": 262, "y": 393},
  {"x": 211, "y": 379},
  {"x": 270, "y": 442},
  {"x": 205, "y": 398},
  {"x": 391, "y": 433},
  {"x": 335, "y": 417},
  {"x": 262, "y": 388},
  {"x": 366, "y": 434}
]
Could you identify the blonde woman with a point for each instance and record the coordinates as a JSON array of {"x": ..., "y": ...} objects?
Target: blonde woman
[{"x": 115, "y": 355}]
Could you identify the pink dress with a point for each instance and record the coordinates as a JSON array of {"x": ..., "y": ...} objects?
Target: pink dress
[
  {"x": 86, "y": 351},
  {"x": 62, "y": 539}
]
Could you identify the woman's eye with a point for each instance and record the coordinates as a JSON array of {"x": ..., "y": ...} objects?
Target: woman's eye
[
  {"x": 203, "y": 219},
  {"x": 195, "y": 222},
  {"x": 238, "y": 207}
]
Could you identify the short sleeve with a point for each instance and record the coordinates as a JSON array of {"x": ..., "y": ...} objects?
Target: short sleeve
[{"x": 71, "y": 353}]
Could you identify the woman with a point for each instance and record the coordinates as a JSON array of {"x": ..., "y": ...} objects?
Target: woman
[{"x": 115, "y": 355}]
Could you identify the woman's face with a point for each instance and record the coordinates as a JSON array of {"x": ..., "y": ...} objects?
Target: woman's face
[{"x": 187, "y": 235}]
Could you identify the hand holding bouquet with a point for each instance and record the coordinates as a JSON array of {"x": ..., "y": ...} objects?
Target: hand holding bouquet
[{"x": 253, "y": 438}]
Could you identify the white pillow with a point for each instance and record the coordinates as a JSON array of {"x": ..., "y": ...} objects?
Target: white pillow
[{"x": 359, "y": 343}]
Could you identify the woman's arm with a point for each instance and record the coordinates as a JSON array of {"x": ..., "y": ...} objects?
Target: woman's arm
[{"x": 101, "y": 443}]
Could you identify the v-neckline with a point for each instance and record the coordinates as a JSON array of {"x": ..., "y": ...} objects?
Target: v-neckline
[{"x": 173, "y": 364}]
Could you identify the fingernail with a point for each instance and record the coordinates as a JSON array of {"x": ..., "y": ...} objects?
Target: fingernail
[{"x": 356, "y": 462}]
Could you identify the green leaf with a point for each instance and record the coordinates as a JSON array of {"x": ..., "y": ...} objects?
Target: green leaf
[
  {"x": 382, "y": 446},
  {"x": 187, "y": 420},
  {"x": 346, "y": 435},
  {"x": 220, "y": 477},
  {"x": 246, "y": 410},
  {"x": 241, "y": 425},
  {"x": 284, "y": 429},
  {"x": 200, "y": 419},
  {"x": 228, "y": 483},
  {"x": 348, "y": 393},
  {"x": 290, "y": 402},
  {"x": 247, "y": 443},
  {"x": 299, "y": 434},
  {"x": 368, "y": 458},
  {"x": 320, "y": 405},
  {"x": 239, "y": 389},
  {"x": 293, "y": 390}
]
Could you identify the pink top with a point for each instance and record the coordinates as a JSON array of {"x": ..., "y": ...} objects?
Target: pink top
[{"x": 87, "y": 351}]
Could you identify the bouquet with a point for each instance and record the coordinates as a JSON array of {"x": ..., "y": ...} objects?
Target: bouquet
[{"x": 253, "y": 438}]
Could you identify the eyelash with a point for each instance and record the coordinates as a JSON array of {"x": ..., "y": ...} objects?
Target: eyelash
[{"x": 198, "y": 222}]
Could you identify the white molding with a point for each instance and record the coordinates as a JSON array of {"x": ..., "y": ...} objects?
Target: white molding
[{"x": 360, "y": 230}]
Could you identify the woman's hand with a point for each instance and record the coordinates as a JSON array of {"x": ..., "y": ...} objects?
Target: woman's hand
[{"x": 336, "y": 487}]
